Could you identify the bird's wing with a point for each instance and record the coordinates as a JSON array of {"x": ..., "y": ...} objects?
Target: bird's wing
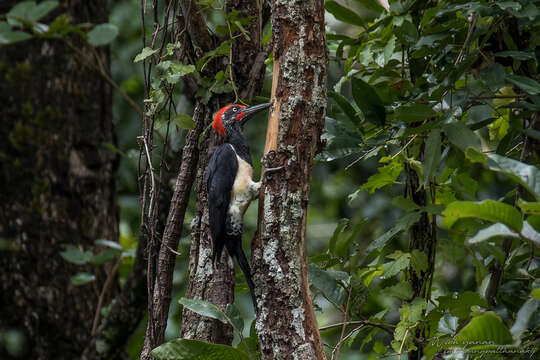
[{"x": 220, "y": 175}]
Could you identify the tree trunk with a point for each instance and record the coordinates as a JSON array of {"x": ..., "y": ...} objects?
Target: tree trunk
[
  {"x": 58, "y": 186},
  {"x": 286, "y": 322},
  {"x": 205, "y": 282}
]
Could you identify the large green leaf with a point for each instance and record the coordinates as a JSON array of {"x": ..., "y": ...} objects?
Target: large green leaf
[
  {"x": 368, "y": 101},
  {"x": 487, "y": 210},
  {"x": 487, "y": 328},
  {"x": 524, "y": 314},
  {"x": 414, "y": 113},
  {"x": 386, "y": 175},
  {"x": 204, "y": 308},
  {"x": 346, "y": 106},
  {"x": 102, "y": 34},
  {"x": 327, "y": 284},
  {"x": 344, "y": 14},
  {"x": 491, "y": 231},
  {"x": 530, "y": 86},
  {"x": 187, "y": 349},
  {"x": 461, "y": 305},
  {"x": 30, "y": 11},
  {"x": 461, "y": 136},
  {"x": 401, "y": 290},
  {"x": 400, "y": 262},
  {"x": 524, "y": 174},
  {"x": 74, "y": 255},
  {"x": 403, "y": 223}
]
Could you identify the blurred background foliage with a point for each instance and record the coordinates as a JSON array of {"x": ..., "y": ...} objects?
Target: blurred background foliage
[{"x": 469, "y": 67}]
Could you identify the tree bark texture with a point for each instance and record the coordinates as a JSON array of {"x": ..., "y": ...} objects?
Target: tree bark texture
[
  {"x": 58, "y": 186},
  {"x": 423, "y": 237},
  {"x": 205, "y": 282},
  {"x": 286, "y": 322}
]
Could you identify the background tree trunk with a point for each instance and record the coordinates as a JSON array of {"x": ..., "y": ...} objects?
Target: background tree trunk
[
  {"x": 58, "y": 186},
  {"x": 286, "y": 322}
]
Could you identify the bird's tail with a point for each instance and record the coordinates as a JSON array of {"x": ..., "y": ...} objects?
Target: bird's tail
[{"x": 238, "y": 253}]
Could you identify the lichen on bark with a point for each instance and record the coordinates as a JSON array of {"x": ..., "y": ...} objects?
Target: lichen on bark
[{"x": 286, "y": 322}]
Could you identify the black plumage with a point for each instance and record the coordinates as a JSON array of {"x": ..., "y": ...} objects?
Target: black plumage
[{"x": 231, "y": 162}]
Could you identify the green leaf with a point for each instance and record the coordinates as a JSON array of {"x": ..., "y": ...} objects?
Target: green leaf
[
  {"x": 326, "y": 284},
  {"x": 414, "y": 113},
  {"x": 524, "y": 174},
  {"x": 432, "y": 157},
  {"x": 335, "y": 236},
  {"x": 146, "y": 52},
  {"x": 517, "y": 55},
  {"x": 487, "y": 210},
  {"x": 387, "y": 175},
  {"x": 184, "y": 121},
  {"x": 82, "y": 279},
  {"x": 448, "y": 324},
  {"x": 493, "y": 76},
  {"x": 527, "y": 310},
  {"x": 28, "y": 10},
  {"x": 461, "y": 136},
  {"x": 461, "y": 306},
  {"x": 235, "y": 318},
  {"x": 182, "y": 69},
  {"x": 204, "y": 308},
  {"x": 487, "y": 328},
  {"x": 475, "y": 156},
  {"x": 401, "y": 291},
  {"x": 419, "y": 261},
  {"x": 344, "y": 14},
  {"x": 74, "y": 255},
  {"x": 105, "y": 256},
  {"x": 392, "y": 268},
  {"x": 347, "y": 108},
  {"x": 110, "y": 244},
  {"x": 42, "y": 9},
  {"x": 187, "y": 349},
  {"x": 535, "y": 293},
  {"x": 532, "y": 207},
  {"x": 368, "y": 101},
  {"x": 102, "y": 34},
  {"x": 491, "y": 231},
  {"x": 530, "y": 86},
  {"x": 404, "y": 223},
  {"x": 11, "y": 37}
]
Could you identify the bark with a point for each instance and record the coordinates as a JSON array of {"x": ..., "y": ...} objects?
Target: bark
[
  {"x": 422, "y": 238},
  {"x": 205, "y": 282},
  {"x": 286, "y": 322},
  {"x": 58, "y": 186},
  {"x": 217, "y": 285}
]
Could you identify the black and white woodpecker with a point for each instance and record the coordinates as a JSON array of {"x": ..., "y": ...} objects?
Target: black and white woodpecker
[{"x": 230, "y": 185}]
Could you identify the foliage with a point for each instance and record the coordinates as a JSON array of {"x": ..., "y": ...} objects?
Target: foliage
[{"x": 443, "y": 92}]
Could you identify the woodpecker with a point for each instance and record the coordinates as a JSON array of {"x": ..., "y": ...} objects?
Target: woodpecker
[{"x": 230, "y": 185}]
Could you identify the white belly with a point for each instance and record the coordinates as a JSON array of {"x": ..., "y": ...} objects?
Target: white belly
[{"x": 243, "y": 190}]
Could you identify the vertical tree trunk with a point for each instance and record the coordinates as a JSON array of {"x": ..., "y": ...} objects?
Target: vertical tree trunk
[
  {"x": 58, "y": 186},
  {"x": 286, "y": 322},
  {"x": 205, "y": 282}
]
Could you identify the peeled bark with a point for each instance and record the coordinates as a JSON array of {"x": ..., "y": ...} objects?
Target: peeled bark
[
  {"x": 286, "y": 322},
  {"x": 58, "y": 186}
]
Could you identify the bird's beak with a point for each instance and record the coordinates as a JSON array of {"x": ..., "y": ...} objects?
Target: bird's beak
[{"x": 250, "y": 111}]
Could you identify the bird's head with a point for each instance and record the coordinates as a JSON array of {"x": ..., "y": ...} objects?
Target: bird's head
[{"x": 230, "y": 116}]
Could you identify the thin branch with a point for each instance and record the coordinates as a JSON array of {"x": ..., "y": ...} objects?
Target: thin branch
[
  {"x": 104, "y": 290},
  {"x": 385, "y": 327}
]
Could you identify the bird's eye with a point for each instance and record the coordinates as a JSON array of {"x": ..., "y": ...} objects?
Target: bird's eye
[{"x": 235, "y": 109}]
